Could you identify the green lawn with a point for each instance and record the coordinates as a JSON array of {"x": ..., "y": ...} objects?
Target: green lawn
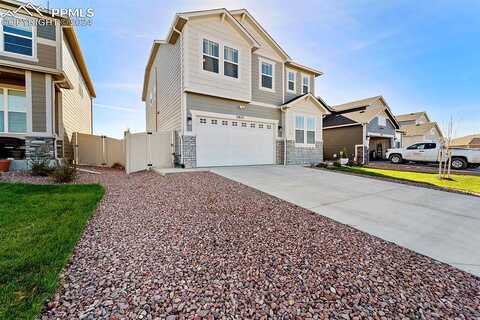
[
  {"x": 39, "y": 227},
  {"x": 459, "y": 182}
]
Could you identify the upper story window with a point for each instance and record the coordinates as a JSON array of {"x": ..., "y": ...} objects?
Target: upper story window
[
  {"x": 18, "y": 37},
  {"x": 290, "y": 81},
  {"x": 305, "y": 128},
  {"x": 230, "y": 62},
  {"x": 210, "y": 56},
  {"x": 382, "y": 121},
  {"x": 13, "y": 111},
  {"x": 266, "y": 75},
  {"x": 305, "y": 84}
]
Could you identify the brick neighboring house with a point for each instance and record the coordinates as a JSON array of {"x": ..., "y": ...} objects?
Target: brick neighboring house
[
  {"x": 232, "y": 95},
  {"x": 364, "y": 128},
  {"x": 45, "y": 89}
]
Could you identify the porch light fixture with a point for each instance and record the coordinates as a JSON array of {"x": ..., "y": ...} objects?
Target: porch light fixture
[{"x": 189, "y": 120}]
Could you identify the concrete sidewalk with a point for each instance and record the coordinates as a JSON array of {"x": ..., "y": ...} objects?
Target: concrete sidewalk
[{"x": 441, "y": 225}]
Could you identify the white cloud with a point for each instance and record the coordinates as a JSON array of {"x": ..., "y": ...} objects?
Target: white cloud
[{"x": 119, "y": 108}]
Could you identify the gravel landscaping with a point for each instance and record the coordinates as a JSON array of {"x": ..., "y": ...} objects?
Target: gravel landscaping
[{"x": 196, "y": 245}]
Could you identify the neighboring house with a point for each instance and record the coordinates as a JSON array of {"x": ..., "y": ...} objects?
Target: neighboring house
[
  {"x": 416, "y": 127},
  {"x": 231, "y": 94},
  {"x": 470, "y": 142},
  {"x": 412, "y": 118},
  {"x": 363, "y": 127},
  {"x": 45, "y": 88}
]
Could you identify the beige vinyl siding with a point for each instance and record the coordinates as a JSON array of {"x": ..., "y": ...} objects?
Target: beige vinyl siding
[
  {"x": 46, "y": 55},
  {"x": 167, "y": 67},
  {"x": 305, "y": 108},
  {"x": 266, "y": 48},
  {"x": 39, "y": 111},
  {"x": 216, "y": 84},
  {"x": 76, "y": 109},
  {"x": 298, "y": 83},
  {"x": 264, "y": 96},
  {"x": 230, "y": 107}
]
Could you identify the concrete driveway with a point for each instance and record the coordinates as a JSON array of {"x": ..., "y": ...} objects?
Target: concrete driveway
[{"x": 441, "y": 225}]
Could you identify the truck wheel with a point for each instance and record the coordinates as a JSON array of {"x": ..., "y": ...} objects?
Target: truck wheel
[
  {"x": 396, "y": 158},
  {"x": 459, "y": 163}
]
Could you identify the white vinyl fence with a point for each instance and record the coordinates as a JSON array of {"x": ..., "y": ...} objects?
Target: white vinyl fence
[
  {"x": 98, "y": 150},
  {"x": 148, "y": 149}
]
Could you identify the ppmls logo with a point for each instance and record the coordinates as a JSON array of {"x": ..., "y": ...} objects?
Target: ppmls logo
[{"x": 28, "y": 8}]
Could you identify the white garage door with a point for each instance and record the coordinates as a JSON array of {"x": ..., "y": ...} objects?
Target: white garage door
[{"x": 224, "y": 142}]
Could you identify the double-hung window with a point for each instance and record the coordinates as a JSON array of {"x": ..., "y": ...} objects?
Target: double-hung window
[
  {"x": 305, "y": 128},
  {"x": 291, "y": 81},
  {"x": 13, "y": 111},
  {"x": 266, "y": 75},
  {"x": 299, "y": 129},
  {"x": 17, "y": 36},
  {"x": 210, "y": 56},
  {"x": 305, "y": 84},
  {"x": 230, "y": 62}
]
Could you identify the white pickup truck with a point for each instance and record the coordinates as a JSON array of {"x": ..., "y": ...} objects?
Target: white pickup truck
[{"x": 430, "y": 152}]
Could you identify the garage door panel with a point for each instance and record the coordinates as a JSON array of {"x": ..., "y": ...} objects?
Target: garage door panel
[{"x": 237, "y": 143}]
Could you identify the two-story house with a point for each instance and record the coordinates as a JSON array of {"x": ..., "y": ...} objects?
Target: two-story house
[
  {"x": 416, "y": 127},
  {"x": 45, "y": 89},
  {"x": 361, "y": 130},
  {"x": 232, "y": 95}
]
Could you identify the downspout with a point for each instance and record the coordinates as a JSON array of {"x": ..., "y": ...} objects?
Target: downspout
[
  {"x": 284, "y": 131},
  {"x": 156, "y": 100}
]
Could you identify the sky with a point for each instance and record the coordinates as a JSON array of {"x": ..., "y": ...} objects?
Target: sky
[{"x": 420, "y": 55}]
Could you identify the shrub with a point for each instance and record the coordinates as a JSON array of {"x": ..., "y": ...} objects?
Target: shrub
[
  {"x": 40, "y": 167},
  {"x": 322, "y": 165},
  {"x": 117, "y": 166},
  {"x": 337, "y": 164},
  {"x": 64, "y": 173}
]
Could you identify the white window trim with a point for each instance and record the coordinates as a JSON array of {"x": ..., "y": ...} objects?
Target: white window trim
[
  {"x": 305, "y": 117},
  {"x": 232, "y": 62},
  {"x": 220, "y": 69},
  {"x": 384, "y": 121},
  {"x": 260, "y": 61},
  {"x": 6, "y": 108},
  {"x": 309, "y": 84},
  {"x": 294, "y": 81},
  {"x": 33, "y": 57},
  {"x": 221, "y": 60}
]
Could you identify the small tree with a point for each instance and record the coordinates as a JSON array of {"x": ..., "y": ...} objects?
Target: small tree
[{"x": 445, "y": 156}]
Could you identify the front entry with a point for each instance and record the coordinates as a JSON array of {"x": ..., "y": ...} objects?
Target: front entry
[
  {"x": 378, "y": 147},
  {"x": 227, "y": 142}
]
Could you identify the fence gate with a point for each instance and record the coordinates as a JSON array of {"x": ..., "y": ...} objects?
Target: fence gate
[
  {"x": 98, "y": 150},
  {"x": 149, "y": 149}
]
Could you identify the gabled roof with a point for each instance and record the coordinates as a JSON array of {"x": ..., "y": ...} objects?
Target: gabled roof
[
  {"x": 182, "y": 18},
  {"x": 473, "y": 139},
  {"x": 316, "y": 72},
  {"x": 306, "y": 96},
  {"x": 411, "y": 116},
  {"x": 359, "y": 112},
  {"x": 245, "y": 13},
  {"x": 357, "y": 103},
  {"x": 420, "y": 129},
  {"x": 148, "y": 68}
]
